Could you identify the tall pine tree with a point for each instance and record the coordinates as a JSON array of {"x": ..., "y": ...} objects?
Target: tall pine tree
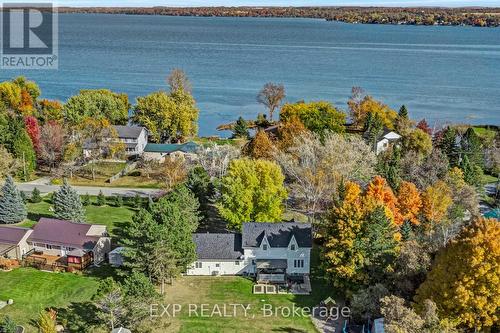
[
  {"x": 12, "y": 207},
  {"x": 67, "y": 204}
]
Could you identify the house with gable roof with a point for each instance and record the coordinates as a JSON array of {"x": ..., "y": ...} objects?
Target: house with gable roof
[{"x": 272, "y": 252}]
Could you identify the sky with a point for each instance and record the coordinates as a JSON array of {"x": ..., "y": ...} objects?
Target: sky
[{"x": 189, "y": 3}]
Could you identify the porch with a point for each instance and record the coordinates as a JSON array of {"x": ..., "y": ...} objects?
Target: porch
[
  {"x": 74, "y": 260},
  {"x": 271, "y": 271}
]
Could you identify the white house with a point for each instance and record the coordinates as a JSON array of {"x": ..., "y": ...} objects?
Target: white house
[
  {"x": 272, "y": 252},
  {"x": 135, "y": 139},
  {"x": 388, "y": 138}
]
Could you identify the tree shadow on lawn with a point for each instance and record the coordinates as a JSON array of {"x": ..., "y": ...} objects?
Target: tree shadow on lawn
[
  {"x": 79, "y": 316},
  {"x": 37, "y": 216}
]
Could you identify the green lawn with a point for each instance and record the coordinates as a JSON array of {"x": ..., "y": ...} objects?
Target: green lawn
[
  {"x": 238, "y": 290},
  {"x": 112, "y": 217},
  {"x": 33, "y": 291}
]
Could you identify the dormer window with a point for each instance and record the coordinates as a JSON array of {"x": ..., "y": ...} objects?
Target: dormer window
[
  {"x": 264, "y": 247},
  {"x": 292, "y": 247}
]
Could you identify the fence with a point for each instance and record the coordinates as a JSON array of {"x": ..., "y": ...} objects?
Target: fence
[{"x": 125, "y": 171}]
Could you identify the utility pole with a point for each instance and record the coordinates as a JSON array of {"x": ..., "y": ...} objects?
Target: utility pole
[{"x": 24, "y": 167}]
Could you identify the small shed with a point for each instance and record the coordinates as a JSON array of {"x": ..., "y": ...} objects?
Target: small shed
[{"x": 116, "y": 257}]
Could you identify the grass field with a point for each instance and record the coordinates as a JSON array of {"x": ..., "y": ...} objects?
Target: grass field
[
  {"x": 108, "y": 215},
  {"x": 33, "y": 291}
]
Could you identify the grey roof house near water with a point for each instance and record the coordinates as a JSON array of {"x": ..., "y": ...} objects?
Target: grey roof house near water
[
  {"x": 278, "y": 234},
  {"x": 218, "y": 246}
]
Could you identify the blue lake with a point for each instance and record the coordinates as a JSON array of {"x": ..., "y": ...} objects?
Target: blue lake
[{"x": 445, "y": 74}]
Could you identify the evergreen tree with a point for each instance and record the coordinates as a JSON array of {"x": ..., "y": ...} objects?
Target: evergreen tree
[
  {"x": 118, "y": 201},
  {"x": 137, "y": 201},
  {"x": 472, "y": 172},
  {"x": 86, "y": 200},
  {"x": 406, "y": 230},
  {"x": 403, "y": 112},
  {"x": 12, "y": 207},
  {"x": 448, "y": 145},
  {"x": 101, "y": 199},
  {"x": 240, "y": 129},
  {"x": 374, "y": 127},
  {"x": 23, "y": 197},
  {"x": 67, "y": 204},
  {"x": 199, "y": 183},
  {"x": 379, "y": 243},
  {"x": 472, "y": 147},
  {"x": 35, "y": 196}
]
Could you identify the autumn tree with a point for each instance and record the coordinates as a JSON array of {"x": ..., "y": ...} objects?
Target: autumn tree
[
  {"x": 271, "y": 96},
  {"x": 216, "y": 159},
  {"x": 252, "y": 190},
  {"x": 418, "y": 141},
  {"x": 378, "y": 193},
  {"x": 288, "y": 131},
  {"x": 169, "y": 116},
  {"x": 316, "y": 167},
  {"x": 51, "y": 110},
  {"x": 409, "y": 202},
  {"x": 361, "y": 105},
  {"x": 318, "y": 117},
  {"x": 260, "y": 147},
  {"x": 342, "y": 257},
  {"x": 33, "y": 130},
  {"x": 465, "y": 279},
  {"x": 178, "y": 81},
  {"x": 97, "y": 104},
  {"x": 52, "y": 140},
  {"x": 424, "y": 171},
  {"x": 436, "y": 200},
  {"x": 172, "y": 171},
  {"x": 8, "y": 164},
  {"x": 424, "y": 126}
]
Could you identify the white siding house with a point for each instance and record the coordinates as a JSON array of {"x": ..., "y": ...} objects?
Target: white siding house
[
  {"x": 13, "y": 242},
  {"x": 269, "y": 251},
  {"x": 386, "y": 140}
]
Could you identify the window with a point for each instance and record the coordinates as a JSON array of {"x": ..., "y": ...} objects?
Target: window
[
  {"x": 298, "y": 263},
  {"x": 237, "y": 263},
  {"x": 253, "y": 262},
  {"x": 198, "y": 264},
  {"x": 264, "y": 247},
  {"x": 292, "y": 247},
  {"x": 217, "y": 265}
]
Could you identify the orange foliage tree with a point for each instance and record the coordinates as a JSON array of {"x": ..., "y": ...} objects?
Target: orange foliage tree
[
  {"x": 409, "y": 202},
  {"x": 379, "y": 193}
]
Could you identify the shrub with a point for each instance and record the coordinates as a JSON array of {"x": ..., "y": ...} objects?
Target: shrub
[
  {"x": 118, "y": 201},
  {"x": 101, "y": 199},
  {"x": 86, "y": 200},
  {"x": 35, "y": 196}
]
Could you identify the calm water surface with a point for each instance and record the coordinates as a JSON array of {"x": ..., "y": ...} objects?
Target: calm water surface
[{"x": 445, "y": 74}]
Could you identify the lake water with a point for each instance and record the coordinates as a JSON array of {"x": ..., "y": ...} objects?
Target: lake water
[{"x": 445, "y": 74}]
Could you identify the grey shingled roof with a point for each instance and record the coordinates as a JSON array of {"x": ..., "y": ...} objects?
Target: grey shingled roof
[
  {"x": 12, "y": 235},
  {"x": 218, "y": 246},
  {"x": 128, "y": 132},
  {"x": 61, "y": 232},
  {"x": 278, "y": 234}
]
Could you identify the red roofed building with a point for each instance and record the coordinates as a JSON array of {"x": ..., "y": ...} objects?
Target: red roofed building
[{"x": 82, "y": 244}]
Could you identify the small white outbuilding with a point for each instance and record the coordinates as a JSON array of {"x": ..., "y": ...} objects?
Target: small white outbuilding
[{"x": 116, "y": 257}]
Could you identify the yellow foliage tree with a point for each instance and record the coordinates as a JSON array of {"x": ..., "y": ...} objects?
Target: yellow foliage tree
[
  {"x": 342, "y": 260},
  {"x": 465, "y": 279},
  {"x": 288, "y": 131},
  {"x": 436, "y": 200},
  {"x": 409, "y": 202}
]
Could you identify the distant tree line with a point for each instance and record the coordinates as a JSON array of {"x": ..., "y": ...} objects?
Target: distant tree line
[{"x": 481, "y": 16}]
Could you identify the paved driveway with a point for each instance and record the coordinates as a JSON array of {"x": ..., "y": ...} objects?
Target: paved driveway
[{"x": 91, "y": 190}]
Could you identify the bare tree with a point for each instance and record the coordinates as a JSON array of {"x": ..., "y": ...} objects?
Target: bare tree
[
  {"x": 111, "y": 308},
  {"x": 271, "y": 96},
  {"x": 215, "y": 159},
  {"x": 178, "y": 81},
  {"x": 316, "y": 169},
  {"x": 173, "y": 171},
  {"x": 354, "y": 103},
  {"x": 52, "y": 137}
]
